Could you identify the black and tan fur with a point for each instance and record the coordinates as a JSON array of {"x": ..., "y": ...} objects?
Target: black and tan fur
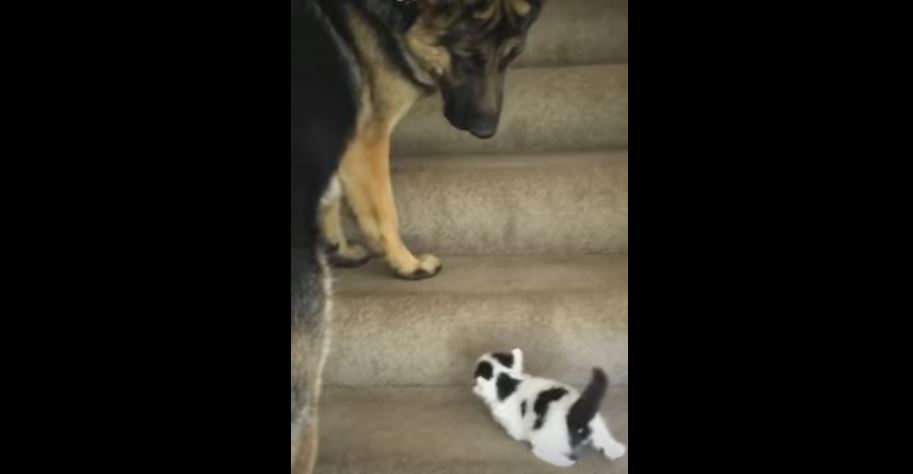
[
  {"x": 357, "y": 66},
  {"x": 460, "y": 48}
]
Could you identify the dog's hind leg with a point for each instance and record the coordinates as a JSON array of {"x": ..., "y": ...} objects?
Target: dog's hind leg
[
  {"x": 310, "y": 314},
  {"x": 365, "y": 174},
  {"x": 305, "y": 454}
]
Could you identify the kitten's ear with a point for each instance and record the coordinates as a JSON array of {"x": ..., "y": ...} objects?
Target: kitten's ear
[{"x": 518, "y": 360}]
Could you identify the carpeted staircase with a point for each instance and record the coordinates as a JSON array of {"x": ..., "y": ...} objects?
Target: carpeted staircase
[{"x": 532, "y": 229}]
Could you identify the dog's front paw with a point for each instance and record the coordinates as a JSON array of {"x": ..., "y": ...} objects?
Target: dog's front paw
[
  {"x": 350, "y": 256},
  {"x": 426, "y": 266}
]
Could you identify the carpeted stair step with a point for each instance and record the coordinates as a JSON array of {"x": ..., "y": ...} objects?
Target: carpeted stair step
[
  {"x": 567, "y": 313},
  {"x": 513, "y": 205},
  {"x": 438, "y": 430}
]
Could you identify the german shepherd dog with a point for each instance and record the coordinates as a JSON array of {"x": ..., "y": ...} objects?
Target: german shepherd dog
[{"x": 357, "y": 66}]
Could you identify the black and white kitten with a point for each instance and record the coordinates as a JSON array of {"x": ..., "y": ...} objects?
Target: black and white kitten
[{"x": 557, "y": 420}]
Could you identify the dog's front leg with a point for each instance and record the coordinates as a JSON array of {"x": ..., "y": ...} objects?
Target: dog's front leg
[
  {"x": 365, "y": 175},
  {"x": 342, "y": 253}
]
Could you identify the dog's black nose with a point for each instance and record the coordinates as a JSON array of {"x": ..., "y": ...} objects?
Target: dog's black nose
[
  {"x": 484, "y": 128},
  {"x": 483, "y": 134}
]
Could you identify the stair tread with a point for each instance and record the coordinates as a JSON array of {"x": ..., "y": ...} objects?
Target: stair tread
[
  {"x": 505, "y": 160},
  {"x": 446, "y": 430},
  {"x": 508, "y": 204},
  {"x": 561, "y": 310},
  {"x": 495, "y": 274}
]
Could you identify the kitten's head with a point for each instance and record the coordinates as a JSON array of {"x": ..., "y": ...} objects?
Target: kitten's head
[{"x": 497, "y": 374}]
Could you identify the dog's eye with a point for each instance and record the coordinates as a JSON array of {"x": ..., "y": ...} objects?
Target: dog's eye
[{"x": 473, "y": 57}]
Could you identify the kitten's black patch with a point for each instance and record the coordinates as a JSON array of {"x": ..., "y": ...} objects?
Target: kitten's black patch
[
  {"x": 541, "y": 406},
  {"x": 507, "y": 360},
  {"x": 484, "y": 370},
  {"x": 506, "y": 386},
  {"x": 523, "y": 409}
]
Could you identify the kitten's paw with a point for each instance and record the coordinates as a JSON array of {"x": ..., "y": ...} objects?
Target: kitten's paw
[
  {"x": 614, "y": 451},
  {"x": 427, "y": 266}
]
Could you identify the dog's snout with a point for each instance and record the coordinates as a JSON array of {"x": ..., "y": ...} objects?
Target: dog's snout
[{"x": 484, "y": 127}]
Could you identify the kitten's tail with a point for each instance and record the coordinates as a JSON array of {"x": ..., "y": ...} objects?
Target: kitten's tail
[{"x": 587, "y": 406}]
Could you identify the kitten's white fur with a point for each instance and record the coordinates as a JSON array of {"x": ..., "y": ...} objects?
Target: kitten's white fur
[{"x": 551, "y": 442}]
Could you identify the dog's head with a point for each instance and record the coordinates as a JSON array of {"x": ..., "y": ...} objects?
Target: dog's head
[{"x": 466, "y": 46}]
